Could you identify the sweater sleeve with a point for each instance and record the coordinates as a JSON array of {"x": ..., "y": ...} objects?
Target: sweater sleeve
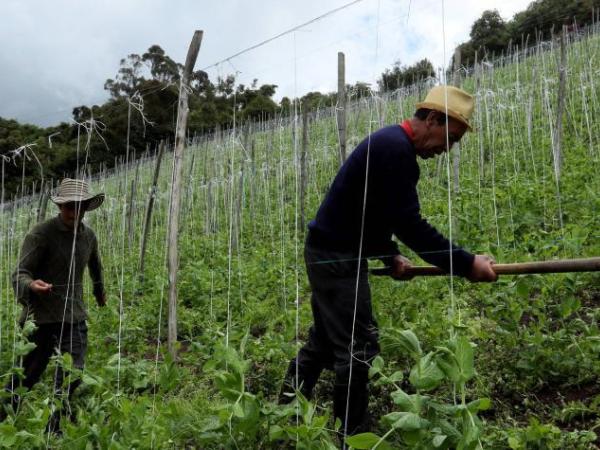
[
  {"x": 95, "y": 266},
  {"x": 430, "y": 245},
  {"x": 410, "y": 227},
  {"x": 30, "y": 257}
]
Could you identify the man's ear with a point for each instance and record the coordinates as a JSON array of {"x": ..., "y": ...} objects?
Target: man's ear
[{"x": 431, "y": 118}]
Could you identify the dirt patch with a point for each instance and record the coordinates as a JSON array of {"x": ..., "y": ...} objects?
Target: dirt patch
[{"x": 561, "y": 396}]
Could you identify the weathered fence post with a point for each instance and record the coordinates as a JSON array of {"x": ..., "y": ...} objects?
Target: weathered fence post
[
  {"x": 341, "y": 106},
  {"x": 303, "y": 181},
  {"x": 44, "y": 195},
  {"x": 456, "y": 149},
  {"x": 175, "y": 200},
  {"x": 562, "y": 81},
  {"x": 148, "y": 216}
]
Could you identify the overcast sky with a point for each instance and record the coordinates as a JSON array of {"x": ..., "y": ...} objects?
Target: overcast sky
[{"x": 56, "y": 55}]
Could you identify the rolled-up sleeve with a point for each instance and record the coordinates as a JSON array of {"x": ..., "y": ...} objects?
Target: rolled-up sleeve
[{"x": 29, "y": 259}]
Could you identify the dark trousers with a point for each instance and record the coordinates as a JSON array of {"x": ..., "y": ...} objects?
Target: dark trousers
[
  {"x": 337, "y": 286},
  {"x": 49, "y": 339}
]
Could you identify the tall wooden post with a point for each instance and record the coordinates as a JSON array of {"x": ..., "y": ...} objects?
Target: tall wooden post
[
  {"x": 175, "y": 203},
  {"x": 562, "y": 81},
  {"x": 303, "y": 180},
  {"x": 341, "y": 106},
  {"x": 456, "y": 149},
  {"x": 148, "y": 216}
]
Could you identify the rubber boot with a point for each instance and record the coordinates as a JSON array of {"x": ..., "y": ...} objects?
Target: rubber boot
[
  {"x": 357, "y": 417},
  {"x": 307, "y": 379},
  {"x": 53, "y": 425}
]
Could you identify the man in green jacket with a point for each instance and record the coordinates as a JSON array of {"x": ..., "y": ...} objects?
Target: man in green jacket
[{"x": 48, "y": 282}]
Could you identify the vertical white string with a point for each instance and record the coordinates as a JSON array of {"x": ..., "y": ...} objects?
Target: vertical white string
[{"x": 360, "y": 246}]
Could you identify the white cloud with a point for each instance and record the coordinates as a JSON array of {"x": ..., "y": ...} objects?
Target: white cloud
[{"x": 56, "y": 55}]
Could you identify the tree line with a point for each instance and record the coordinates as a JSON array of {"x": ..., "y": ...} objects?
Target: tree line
[
  {"x": 142, "y": 110},
  {"x": 491, "y": 35},
  {"x": 142, "y": 105}
]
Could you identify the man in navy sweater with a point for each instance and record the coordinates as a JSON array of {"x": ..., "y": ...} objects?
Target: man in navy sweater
[{"x": 373, "y": 197}]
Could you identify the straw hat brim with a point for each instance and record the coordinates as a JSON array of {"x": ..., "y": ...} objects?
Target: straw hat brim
[
  {"x": 94, "y": 200},
  {"x": 448, "y": 111}
]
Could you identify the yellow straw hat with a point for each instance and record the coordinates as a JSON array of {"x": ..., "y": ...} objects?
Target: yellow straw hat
[{"x": 452, "y": 101}]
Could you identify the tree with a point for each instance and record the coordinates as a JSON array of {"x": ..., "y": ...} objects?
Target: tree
[
  {"x": 162, "y": 68},
  {"x": 401, "y": 75},
  {"x": 490, "y": 32}
]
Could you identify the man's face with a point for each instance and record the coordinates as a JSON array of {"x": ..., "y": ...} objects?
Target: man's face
[
  {"x": 72, "y": 213},
  {"x": 435, "y": 141}
]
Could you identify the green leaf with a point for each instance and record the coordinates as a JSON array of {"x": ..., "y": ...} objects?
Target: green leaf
[
  {"x": 407, "y": 421},
  {"x": 367, "y": 441},
  {"x": 396, "y": 377},
  {"x": 409, "y": 342},
  {"x": 376, "y": 366},
  {"x": 90, "y": 380},
  {"x": 465, "y": 357},
  {"x": 275, "y": 433},
  {"x": 237, "y": 410},
  {"x": 481, "y": 404},
  {"x": 8, "y": 435},
  {"x": 426, "y": 375},
  {"x": 403, "y": 400},
  {"x": 23, "y": 348},
  {"x": 438, "y": 440},
  {"x": 523, "y": 288},
  {"x": 514, "y": 443}
]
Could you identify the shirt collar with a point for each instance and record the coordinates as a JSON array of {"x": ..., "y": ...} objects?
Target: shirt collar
[
  {"x": 407, "y": 127},
  {"x": 62, "y": 227}
]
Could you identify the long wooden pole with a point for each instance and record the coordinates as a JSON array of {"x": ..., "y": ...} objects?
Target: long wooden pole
[
  {"x": 173, "y": 256},
  {"x": 149, "y": 208},
  {"x": 341, "y": 106},
  {"x": 555, "y": 266}
]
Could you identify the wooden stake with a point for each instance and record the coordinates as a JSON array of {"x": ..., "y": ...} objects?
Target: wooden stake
[
  {"x": 341, "y": 106},
  {"x": 173, "y": 251},
  {"x": 562, "y": 80},
  {"x": 456, "y": 148},
  {"x": 303, "y": 181},
  {"x": 148, "y": 216}
]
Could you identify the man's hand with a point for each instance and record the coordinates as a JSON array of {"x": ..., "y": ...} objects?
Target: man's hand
[
  {"x": 40, "y": 287},
  {"x": 483, "y": 269},
  {"x": 101, "y": 299},
  {"x": 399, "y": 266}
]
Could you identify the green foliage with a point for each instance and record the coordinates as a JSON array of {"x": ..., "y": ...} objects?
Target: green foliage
[
  {"x": 401, "y": 75},
  {"x": 488, "y": 358},
  {"x": 490, "y": 34},
  {"x": 421, "y": 421}
]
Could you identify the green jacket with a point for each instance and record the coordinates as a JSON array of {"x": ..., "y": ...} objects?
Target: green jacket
[{"x": 46, "y": 255}]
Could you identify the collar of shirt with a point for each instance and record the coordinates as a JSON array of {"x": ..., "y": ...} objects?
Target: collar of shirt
[
  {"x": 62, "y": 227},
  {"x": 406, "y": 126}
]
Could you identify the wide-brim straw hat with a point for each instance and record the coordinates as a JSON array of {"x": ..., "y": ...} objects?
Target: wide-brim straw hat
[
  {"x": 451, "y": 101},
  {"x": 71, "y": 190}
]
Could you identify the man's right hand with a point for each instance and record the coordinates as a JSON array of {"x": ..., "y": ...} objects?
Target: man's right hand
[
  {"x": 400, "y": 266},
  {"x": 40, "y": 287},
  {"x": 483, "y": 269}
]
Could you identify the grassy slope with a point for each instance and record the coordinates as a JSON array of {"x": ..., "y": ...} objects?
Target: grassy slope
[{"x": 536, "y": 337}]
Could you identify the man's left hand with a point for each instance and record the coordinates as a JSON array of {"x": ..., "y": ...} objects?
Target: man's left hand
[
  {"x": 400, "y": 265},
  {"x": 483, "y": 269}
]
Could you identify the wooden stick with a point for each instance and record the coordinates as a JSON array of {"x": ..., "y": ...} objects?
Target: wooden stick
[
  {"x": 341, "y": 106},
  {"x": 149, "y": 208},
  {"x": 554, "y": 266},
  {"x": 173, "y": 229}
]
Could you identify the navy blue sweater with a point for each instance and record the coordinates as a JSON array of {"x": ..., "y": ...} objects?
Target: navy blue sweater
[{"x": 392, "y": 206}]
